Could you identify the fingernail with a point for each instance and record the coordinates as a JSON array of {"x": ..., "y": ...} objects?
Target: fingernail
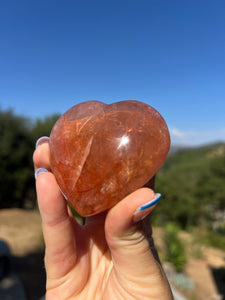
[
  {"x": 146, "y": 208},
  {"x": 42, "y": 140},
  {"x": 39, "y": 171}
]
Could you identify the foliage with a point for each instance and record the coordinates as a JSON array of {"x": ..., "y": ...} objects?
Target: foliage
[
  {"x": 196, "y": 251},
  {"x": 175, "y": 252},
  {"x": 191, "y": 181},
  {"x": 18, "y": 136},
  {"x": 212, "y": 238},
  {"x": 16, "y": 173},
  {"x": 192, "y": 184},
  {"x": 42, "y": 127}
]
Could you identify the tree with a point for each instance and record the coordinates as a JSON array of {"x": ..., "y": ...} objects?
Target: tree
[
  {"x": 192, "y": 184},
  {"x": 18, "y": 137},
  {"x": 42, "y": 127},
  {"x": 16, "y": 171}
]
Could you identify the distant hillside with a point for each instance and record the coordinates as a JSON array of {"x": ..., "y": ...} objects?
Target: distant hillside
[
  {"x": 192, "y": 181},
  {"x": 180, "y": 147},
  {"x": 176, "y": 148}
]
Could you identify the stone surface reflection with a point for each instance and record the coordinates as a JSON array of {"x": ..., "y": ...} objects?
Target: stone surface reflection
[{"x": 100, "y": 153}]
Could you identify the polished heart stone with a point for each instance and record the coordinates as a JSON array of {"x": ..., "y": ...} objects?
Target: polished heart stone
[{"x": 101, "y": 153}]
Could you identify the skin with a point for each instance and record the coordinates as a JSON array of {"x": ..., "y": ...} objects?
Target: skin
[{"x": 109, "y": 257}]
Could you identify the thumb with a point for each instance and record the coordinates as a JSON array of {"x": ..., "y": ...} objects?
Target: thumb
[{"x": 128, "y": 236}]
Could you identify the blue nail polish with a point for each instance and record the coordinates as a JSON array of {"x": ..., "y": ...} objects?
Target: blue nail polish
[
  {"x": 151, "y": 203},
  {"x": 41, "y": 140},
  {"x": 39, "y": 171}
]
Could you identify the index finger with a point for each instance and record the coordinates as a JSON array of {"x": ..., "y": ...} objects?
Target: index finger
[{"x": 41, "y": 156}]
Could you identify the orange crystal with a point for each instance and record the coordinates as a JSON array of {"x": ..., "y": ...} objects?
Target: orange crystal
[{"x": 101, "y": 153}]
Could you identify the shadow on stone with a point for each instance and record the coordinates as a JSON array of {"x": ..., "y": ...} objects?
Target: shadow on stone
[
  {"x": 31, "y": 273},
  {"x": 219, "y": 277}
]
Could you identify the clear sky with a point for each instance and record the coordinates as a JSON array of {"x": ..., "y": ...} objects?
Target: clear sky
[{"x": 167, "y": 53}]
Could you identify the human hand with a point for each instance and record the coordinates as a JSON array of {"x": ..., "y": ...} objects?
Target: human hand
[{"x": 107, "y": 258}]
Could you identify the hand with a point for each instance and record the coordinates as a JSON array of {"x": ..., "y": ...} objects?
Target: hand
[{"x": 107, "y": 258}]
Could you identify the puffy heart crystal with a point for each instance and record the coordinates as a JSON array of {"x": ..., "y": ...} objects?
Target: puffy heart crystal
[{"x": 100, "y": 153}]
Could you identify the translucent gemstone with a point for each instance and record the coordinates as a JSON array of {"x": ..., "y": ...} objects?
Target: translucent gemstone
[{"x": 101, "y": 153}]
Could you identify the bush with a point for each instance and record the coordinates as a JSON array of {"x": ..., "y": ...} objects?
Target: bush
[
  {"x": 18, "y": 137},
  {"x": 16, "y": 171},
  {"x": 192, "y": 182},
  {"x": 175, "y": 252}
]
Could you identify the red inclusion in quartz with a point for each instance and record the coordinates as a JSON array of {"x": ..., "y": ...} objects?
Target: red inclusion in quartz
[{"x": 101, "y": 153}]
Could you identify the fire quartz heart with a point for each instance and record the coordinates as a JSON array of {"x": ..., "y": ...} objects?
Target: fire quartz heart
[{"x": 100, "y": 153}]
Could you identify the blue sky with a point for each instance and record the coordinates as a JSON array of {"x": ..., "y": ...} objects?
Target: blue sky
[{"x": 169, "y": 54}]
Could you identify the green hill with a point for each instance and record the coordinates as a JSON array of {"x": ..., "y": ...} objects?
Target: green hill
[{"x": 192, "y": 183}]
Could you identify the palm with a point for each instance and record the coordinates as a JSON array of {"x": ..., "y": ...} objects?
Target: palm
[{"x": 92, "y": 274}]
